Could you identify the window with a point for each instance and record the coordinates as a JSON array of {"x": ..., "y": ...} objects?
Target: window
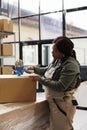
[
  {"x": 76, "y": 23},
  {"x": 68, "y": 4},
  {"x": 29, "y": 29},
  {"x": 51, "y": 25},
  {"x": 30, "y": 55}
]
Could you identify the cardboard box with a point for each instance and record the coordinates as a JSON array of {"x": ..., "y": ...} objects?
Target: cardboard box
[
  {"x": 6, "y": 70},
  {"x": 6, "y": 25},
  {"x": 3, "y": 24},
  {"x": 17, "y": 89},
  {"x": 6, "y": 49}
]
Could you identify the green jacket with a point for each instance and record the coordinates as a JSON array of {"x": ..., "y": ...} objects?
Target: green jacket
[{"x": 64, "y": 77}]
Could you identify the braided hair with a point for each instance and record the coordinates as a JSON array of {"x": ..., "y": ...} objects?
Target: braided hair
[{"x": 65, "y": 45}]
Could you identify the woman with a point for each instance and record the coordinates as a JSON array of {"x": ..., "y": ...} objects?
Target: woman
[{"x": 61, "y": 81}]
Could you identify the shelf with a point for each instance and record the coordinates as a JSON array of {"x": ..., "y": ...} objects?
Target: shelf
[
  {"x": 6, "y": 33},
  {"x": 1, "y": 57}
]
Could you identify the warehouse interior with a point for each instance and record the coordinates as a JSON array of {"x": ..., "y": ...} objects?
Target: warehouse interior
[{"x": 27, "y": 29}]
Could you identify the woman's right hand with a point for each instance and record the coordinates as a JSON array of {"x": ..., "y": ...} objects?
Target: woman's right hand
[{"x": 30, "y": 70}]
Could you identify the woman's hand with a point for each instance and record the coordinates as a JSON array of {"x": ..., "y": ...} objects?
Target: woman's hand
[
  {"x": 30, "y": 70},
  {"x": 36, "y": 78}
]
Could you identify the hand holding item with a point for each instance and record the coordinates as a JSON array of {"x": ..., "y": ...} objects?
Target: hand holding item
[{"x": 30, "y": 69}]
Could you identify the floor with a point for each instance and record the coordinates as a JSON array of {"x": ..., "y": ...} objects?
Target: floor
[{"x": 80, "y": 119}]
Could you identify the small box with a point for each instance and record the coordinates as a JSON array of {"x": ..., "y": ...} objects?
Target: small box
[
  {"x": 6, "y": 49},
  {"x": 10, "y": 26},
  {"x": 17, "y": 89},
  {"x": 3, "y": 24},
  {"x": 6, "y": 70}
]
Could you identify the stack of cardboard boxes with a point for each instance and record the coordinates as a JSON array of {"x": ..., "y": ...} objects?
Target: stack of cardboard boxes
[
  {"x": 13, "y": 88},
  {"x": 6, "y": 50},
  {"x": 6, "y": 26}
]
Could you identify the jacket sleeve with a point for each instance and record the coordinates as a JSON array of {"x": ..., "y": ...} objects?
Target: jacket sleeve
[
  {"x": 40, "y": 70},
  {"x": 66, "y": 80}
]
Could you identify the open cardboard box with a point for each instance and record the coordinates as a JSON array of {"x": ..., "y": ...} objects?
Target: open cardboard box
[{"x": 15, "y": 88}]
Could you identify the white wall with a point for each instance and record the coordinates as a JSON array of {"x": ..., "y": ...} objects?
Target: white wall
[{"x": 80, "y": 46}]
